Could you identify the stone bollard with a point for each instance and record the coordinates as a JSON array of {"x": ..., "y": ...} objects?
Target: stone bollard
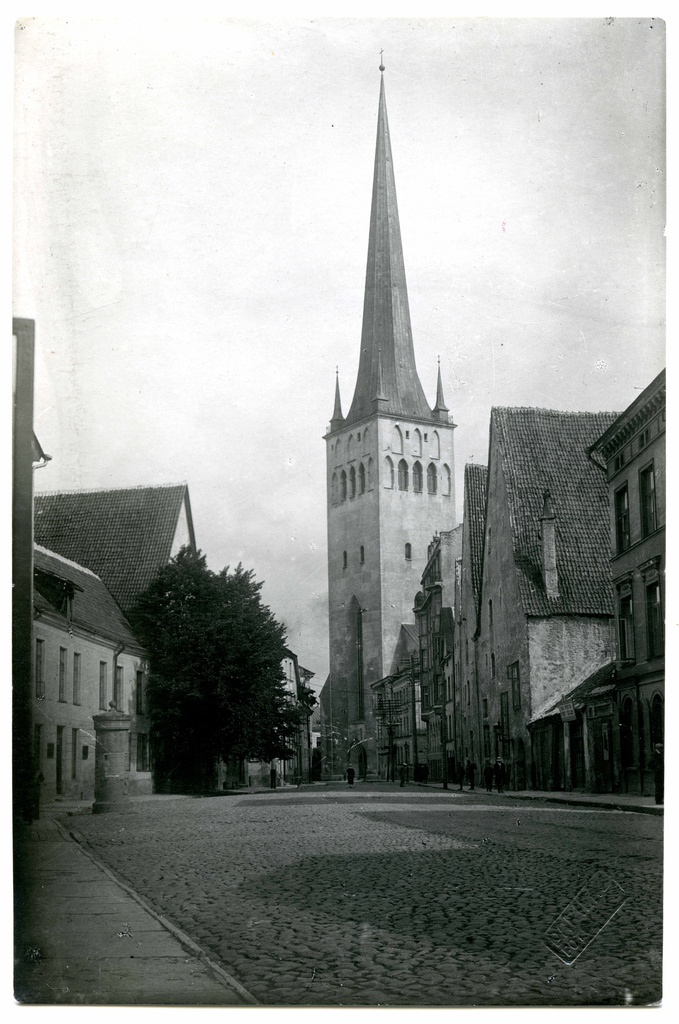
[{"x": 111, "y": 765}]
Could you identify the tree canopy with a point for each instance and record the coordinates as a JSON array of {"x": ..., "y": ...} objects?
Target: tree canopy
[{"x": 216, "y": 686}]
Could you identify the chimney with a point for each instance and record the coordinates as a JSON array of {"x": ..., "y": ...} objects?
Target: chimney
[{"x": 550, "y": 574}]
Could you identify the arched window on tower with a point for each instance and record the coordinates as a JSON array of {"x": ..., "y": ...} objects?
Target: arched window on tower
[
  {"x": 435, "y": 445},
  {"x": 362, "y": 555},
  {"x": 370, "y": 473},
  {"x": 365, "y": 439},
  {"x": 388, "y": 472},
  {"x": 431, "y": 478},
  {"x": 352, "y": 482},
  {"x": 338, "y": 451},
  {"x": 445, "y": 480},
  {"x": 350, "y": 445},
  {"x": 361, "y": 479},
  {"x": 344, "y": 559},
  {"x": 333, "y": 489},
  {"x": 417, "y": 477},
  {"x": 343, "y": 486},
  {"x": 403, "y": 475},
  {"x": 408, "y": 552},
  {"x": 417, "y": 442},
  {"x": 397, "y": 440}
]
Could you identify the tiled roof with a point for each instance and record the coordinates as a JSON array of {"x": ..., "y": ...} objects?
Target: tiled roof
[
  {"x": 407, "y": 644},
  {"x": 124, "y": 536},
  {"x": 597, "y": 684},
  {"x": 475, "y": 478},
  {"x": 93, "y": 608},
  {"x": 545, "y": 450}
]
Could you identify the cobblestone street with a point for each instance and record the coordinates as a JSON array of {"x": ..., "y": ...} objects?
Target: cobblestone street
[{"x": 379, "y": 896}]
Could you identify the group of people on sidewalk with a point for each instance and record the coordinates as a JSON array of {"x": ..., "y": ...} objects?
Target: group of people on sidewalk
[{"x": 492, "y": 773}]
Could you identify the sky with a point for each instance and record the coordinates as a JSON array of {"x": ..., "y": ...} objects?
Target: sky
[{"x": 191, "y": 215}]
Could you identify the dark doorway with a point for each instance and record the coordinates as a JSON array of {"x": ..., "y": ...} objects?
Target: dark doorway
[
  {"x": 657, "y": 723},
  {"x": 520, "y": 765},
  {"x": 626, "y": 737},
  {"x": 577, "y": 755}
]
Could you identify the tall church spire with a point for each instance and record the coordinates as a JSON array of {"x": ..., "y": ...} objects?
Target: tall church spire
[
  {"x": 337, "y": 418},
  {"x": 440, "y": 409},
  {"x": 387, "y": 353}
]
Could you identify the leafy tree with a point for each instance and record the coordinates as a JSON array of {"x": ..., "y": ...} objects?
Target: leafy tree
[{"x": 216, "y": 686}]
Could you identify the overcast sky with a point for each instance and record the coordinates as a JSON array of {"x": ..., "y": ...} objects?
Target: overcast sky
[{"x": 191, "y": 230}]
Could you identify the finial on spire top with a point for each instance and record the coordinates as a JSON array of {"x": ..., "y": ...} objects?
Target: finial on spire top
[{"x": 381, "y": 60}]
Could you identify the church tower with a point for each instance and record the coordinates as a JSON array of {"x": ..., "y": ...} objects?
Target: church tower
[{"x": 390, "y": 479}]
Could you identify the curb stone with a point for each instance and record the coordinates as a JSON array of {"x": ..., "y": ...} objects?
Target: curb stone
[{"x": 220, "y": 974}]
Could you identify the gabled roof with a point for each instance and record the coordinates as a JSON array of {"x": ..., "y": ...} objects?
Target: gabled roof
[
  {"x": 92, "y": 606},
  {"x": 475, "y": 479},
  {"x": 545, "y": 450},
  {"x": 124, "y": 536},
  {"x": 599, "y": 683},
  {"x": 407, "y": 644}
]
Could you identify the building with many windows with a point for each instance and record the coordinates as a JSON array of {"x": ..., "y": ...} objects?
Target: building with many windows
[
  {"x": 85, "y": 657},
  {"x": 632, "y": 453}
]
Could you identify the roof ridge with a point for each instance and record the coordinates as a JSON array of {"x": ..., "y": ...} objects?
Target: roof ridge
[
  {"x": 111, "y": 490},
  {"x": 67, "y": 561},
  {"x": 554, "y": 412}
]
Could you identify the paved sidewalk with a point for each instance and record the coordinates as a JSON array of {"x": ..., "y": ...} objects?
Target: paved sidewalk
[
  {"x": 84, "y": 938},
  {"x": 609, "y": 801}
]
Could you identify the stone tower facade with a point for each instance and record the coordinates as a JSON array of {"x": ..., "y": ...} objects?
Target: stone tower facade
[{"x": 390, "y": 480}]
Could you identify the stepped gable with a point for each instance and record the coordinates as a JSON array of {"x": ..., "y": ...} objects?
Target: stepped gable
[
  {"x": 546, "y": 450},
  {"x": 124, "y": 536}
]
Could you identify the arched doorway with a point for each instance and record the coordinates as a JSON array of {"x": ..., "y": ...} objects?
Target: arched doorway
[
  {"x": 520, "y": 765},
  {"x": 657, "y": 720}
]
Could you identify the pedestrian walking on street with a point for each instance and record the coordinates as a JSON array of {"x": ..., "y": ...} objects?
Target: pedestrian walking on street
[
  {"x": 657, "y": 764},
  {"x": 470, "y": 772},
  {"x": 402, "y": 774},
  {"x": 500, "y": 774},
  {"x": 350, "y": 775},
  {"x": 488, "y": 777}
]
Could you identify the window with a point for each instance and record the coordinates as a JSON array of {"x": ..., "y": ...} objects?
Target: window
[
  {"x": 103, "y": 685},
  {"x": 361, "y": 479},
  {"x": 622, "y": 519},
  {"x": 388, "y": 472},
  {"x": 396, "y": 440},
  {"x": 352, "y": 482},
  {"x": 118, "y": 688},
  {"x": 626, "y": 626},
  {"x": 492, "y": 665},
  {"x": 139, "y": 693},
  {"x": 446, "y": 484},
  {"x": 343, "y": 486},
  {"x": 485, "y": 707},
  {"x": 370, "y": 472},
  {"x": 431, "y": 478},
  {"x": 362, "y": 555},
  {"x": 344, "y": 559},
  {"x": 417, "y": 477},
  {"x": 403, "y": 475},
  {"x": 417, "y": 442},
  {"x": 37, "y": 745},
  {"x": 40, "y": 668},
  {"x": 407, "y": 435},
  {"x": 469, "y": 694},
  {"x": 143, "y": 752},
  {"x": 490, "y": 538},
  {"x": 74, "y": 753},
  {"x": 62, "y": 674},
  {"x": 647, "y": 499},
  {"x": 409, "y": 552},
  {"x": 654, "y": 624},
  {"x": 515, "y": 683},
  {"x": 333, "y": 489},
  {"x": 644, "y": 438},
  {"x": 490, "y": 613},
  {"x": 76, "y": 678}
]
